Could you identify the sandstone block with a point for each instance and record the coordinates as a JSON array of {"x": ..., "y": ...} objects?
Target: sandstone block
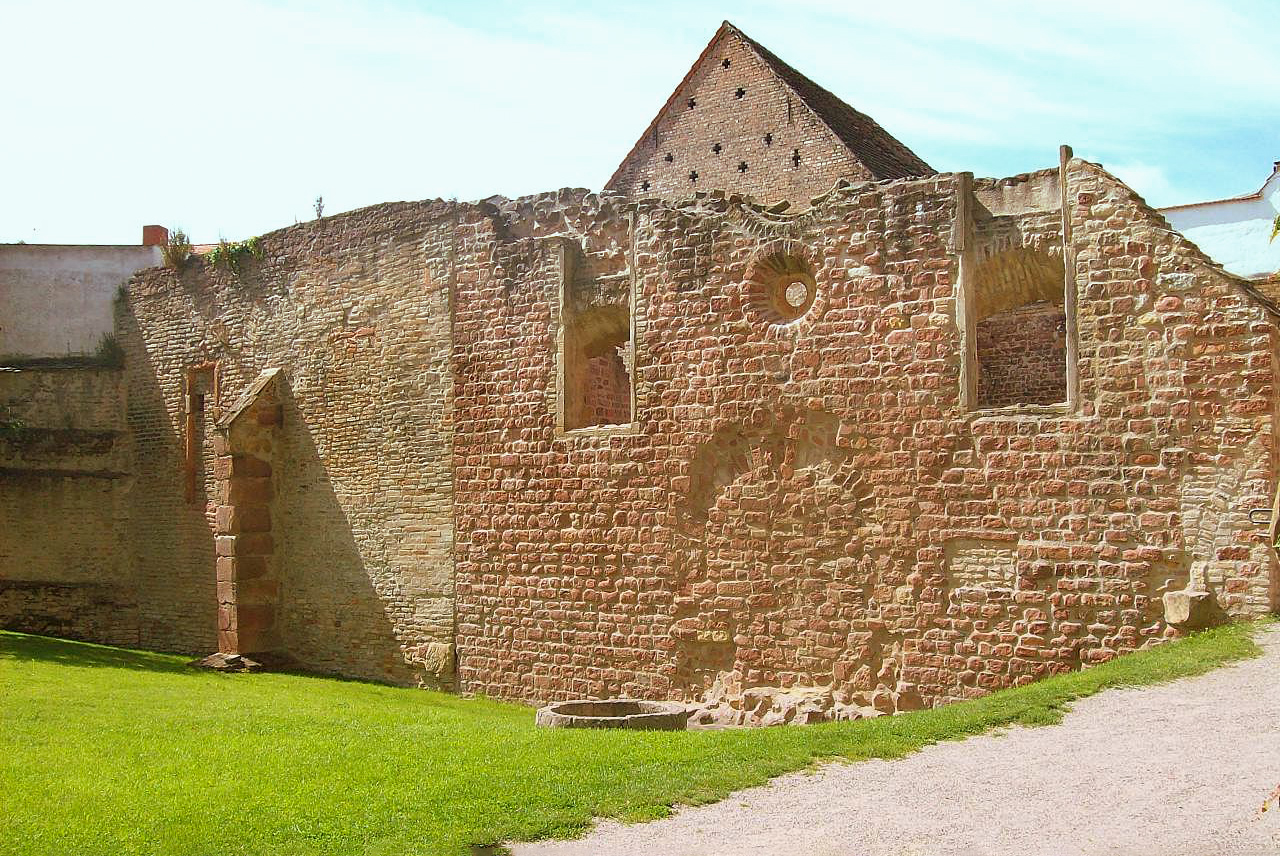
[
  {"x": 436, "y": 658},
  {"x": 228, "y": 642},
  {"x": 254, "y": 618},
  {"x": 1188, "y": 610},
  {"x": 258, "y": 591},
  {"x": 250, "y": 567},
  {"x": 249, "y": 466}
]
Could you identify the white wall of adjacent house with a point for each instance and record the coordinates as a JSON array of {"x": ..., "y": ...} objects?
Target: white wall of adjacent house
[
  {"x": 1235, "y": 232},
  {"x": 56, "y": 300}
]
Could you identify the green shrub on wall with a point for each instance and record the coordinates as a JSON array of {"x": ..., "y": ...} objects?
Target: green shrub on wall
[
  {"x": 109, "y": 353},
  {"x": 176, "y": 250},
  {"x": 11, "y": 427},
  {"x": 231, "y": 255}
]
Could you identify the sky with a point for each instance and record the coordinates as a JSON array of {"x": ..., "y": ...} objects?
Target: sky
[{"x": 227, "y": 119}]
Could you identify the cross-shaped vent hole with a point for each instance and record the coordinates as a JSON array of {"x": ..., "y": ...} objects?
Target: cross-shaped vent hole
[
  {"x": 741, "y": 92},
  {"x": 693, "y": 176},
  {"x": 742, "y": 166},
  {"x": 716, "y": 148}
]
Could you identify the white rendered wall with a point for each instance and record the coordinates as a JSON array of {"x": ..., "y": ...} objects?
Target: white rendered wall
[
  {"x": 56, "y": 300},
  {"x": 1235, "y": 232}
]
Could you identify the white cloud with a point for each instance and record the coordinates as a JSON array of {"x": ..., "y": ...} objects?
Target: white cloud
[{"x": 231, "y": 118}]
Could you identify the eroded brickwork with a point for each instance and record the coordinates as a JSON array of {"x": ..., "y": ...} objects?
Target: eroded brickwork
[
  {"x": 608, "y": 390},
  {"x": 1022, "y": 356}
]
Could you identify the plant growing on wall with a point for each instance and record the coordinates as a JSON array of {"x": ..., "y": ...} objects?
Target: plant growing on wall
[
  {"x": 109, "y": 353},
  {"x": 231, "y": 255},
  {"x": 176, "y": 250},
  {"x": 11, "y": 427}
]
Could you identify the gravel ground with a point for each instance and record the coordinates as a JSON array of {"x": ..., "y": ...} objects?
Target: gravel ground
[{"x": 1181, "y": 768}]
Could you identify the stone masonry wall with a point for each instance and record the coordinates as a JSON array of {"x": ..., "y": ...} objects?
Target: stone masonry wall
[
  {"x": 64, "y": 490},
  {"x": 804, "y": 520},
  {"x": 799, "y": 519},
  {"x": 355, "y": 312},
  {"x": 1022, "y": 356}
]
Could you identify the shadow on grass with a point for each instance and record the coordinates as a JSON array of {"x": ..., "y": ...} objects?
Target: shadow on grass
[{"x": 65, "y": 652}]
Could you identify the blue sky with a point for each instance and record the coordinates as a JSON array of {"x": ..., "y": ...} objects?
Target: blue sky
[{"x": 229, "y": 118}]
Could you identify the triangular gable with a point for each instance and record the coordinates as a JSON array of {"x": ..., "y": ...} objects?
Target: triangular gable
[{"x": 783, "y": 137}]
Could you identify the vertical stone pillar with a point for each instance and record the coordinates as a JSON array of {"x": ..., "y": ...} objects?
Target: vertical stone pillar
[{"x": 247, "y": 567}]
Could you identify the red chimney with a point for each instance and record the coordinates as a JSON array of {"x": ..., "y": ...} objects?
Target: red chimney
[{"x": 154, "y": 236}]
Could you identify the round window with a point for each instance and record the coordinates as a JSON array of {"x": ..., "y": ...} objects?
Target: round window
[
  {"x": 781, "y": 288},
  {"x": 798, "y": 294}
]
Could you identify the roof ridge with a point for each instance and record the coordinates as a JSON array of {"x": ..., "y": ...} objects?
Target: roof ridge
[{"x": 895, "y": 160}]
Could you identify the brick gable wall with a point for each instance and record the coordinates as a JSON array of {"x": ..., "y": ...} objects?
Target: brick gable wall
[{"x": 802, "y": 159}]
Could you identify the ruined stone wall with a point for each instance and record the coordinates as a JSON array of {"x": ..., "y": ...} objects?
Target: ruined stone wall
[
  {"x": 712, "y": 133},
  {"x": 355, "y": 311},
  {"x": 539, "y": 549},
  {"x": 608, "y": 390},
  {"x": 803, "y": 519},
  {"x": 782, "y": 501},
  {"x": 1177, "y": 371},
  {"x": 64, "y": 489},
  {"x": 1022, "y": 356}
]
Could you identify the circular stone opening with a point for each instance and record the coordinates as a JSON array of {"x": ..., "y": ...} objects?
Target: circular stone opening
[
  {"x": 614, "y": 713},
  {"x": 781, "y": 288},
  {"x": 797, "y": 294}
]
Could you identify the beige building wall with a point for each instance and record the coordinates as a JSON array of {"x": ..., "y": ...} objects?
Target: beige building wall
[
  {"x": 56, "y": 300},
  {"x": 65, "y": 566}
]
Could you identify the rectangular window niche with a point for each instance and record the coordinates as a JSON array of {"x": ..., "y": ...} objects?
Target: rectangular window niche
[{"x": 594, "y": 349}]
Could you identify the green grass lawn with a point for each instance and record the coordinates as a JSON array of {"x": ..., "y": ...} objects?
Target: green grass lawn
[{"x": 104, "y": 750}]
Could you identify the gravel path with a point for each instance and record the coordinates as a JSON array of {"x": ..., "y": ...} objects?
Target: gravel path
[{"x": 1180, "y": 768}]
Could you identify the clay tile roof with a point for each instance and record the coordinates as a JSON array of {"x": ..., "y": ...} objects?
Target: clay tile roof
[{"x": 879, "y": 151}]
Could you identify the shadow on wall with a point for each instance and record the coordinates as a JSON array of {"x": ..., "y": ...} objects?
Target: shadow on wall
[
  {"x": 171, "y": 538},
  {"x": 43, "y": 649},
  {"x": 346, "y": 602},
  {"x": 334, "y": 614}
]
